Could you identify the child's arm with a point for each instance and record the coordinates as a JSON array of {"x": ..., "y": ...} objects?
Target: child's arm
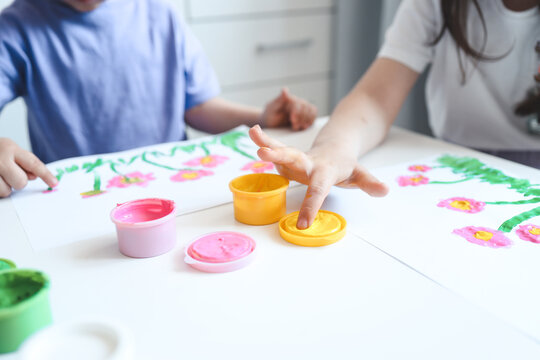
[
  {"x": 217, "y": 115},
  {"x": 17, "y": 166},
  {"x": 360, "y": 122}
]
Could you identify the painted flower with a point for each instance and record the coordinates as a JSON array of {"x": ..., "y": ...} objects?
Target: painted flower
[
  {"x": 414, "y": 180},
  {"x": 88, "y": 194},
  {"x": 462, "y": 204},
  {"x": 258, "y": 166},
  {"x": 529, "y": 232},
  {"x": 187, "y": 175},
  {"x": 419, "y": 168},
  {"x": 134, "y": 178},
  {"x": 207, "y": 161},
  {"x": 484, "y": 236}
]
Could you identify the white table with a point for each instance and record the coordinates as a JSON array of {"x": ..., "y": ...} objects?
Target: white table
[{"x": 344, "y": 301}]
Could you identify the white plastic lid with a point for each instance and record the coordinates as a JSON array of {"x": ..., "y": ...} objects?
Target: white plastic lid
[{"x": 81, "y": 340}]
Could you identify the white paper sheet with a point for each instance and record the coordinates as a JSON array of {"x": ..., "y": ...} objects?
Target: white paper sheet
[
  {"x": 91, "y": 186},
  {"x": 416, "y": 224}
]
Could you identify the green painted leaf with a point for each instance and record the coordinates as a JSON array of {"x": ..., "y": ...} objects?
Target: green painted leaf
[
  {"x": 71, "y": 169},
  {"x": 90, "y": 166},
  {"x": 231, "y": 140}
]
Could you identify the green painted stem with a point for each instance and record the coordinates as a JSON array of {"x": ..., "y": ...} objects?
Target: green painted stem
[
  {"x": 91, "y": 166},
  {"x": 132, "y": 159},
  {"x": 113, "y": 168},
  {"x": 97, "y": 182},
  {"x": 187, "y": 149},
  {"x": 244, "y": 154},
  {"x": 474, "y": 168},
  {"x": 508, "y": 225},
  {"x": 145, "y": 159},
  {"x": 204, "y": 147},
  {"x": 230, "y": 140},
  {"x": 450, "y": 182},
  {"x": 519, "y": 202}
]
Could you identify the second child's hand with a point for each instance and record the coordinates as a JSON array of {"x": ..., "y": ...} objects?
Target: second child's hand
[
  {"x": 17, "y": 166},
  {"x": 318, "y": 169}
]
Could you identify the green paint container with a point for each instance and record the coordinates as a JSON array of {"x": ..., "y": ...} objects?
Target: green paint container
[
  {"x": 24, "y": 306},
  {"x": 6, "y": 264}
]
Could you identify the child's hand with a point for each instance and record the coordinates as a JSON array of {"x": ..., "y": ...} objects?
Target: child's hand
[
  {"x": 17, "y": 166},
  {"x": 289, "y": 110},
  {"x": 318, "y": 169}
]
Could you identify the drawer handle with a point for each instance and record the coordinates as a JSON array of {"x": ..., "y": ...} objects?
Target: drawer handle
[{"x": 287, "y": 45}]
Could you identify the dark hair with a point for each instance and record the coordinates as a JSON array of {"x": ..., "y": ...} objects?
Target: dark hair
[{"x": 454, "y": 20}]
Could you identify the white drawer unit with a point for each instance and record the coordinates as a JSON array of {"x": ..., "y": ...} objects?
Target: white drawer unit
[
  {"x": 256, "y": 47},
  {"x": 252, "y": 51},
  {"x": 213, "y": 8}
]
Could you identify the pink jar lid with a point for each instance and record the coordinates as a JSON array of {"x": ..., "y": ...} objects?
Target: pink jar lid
[{"x": 220, "y": 251}]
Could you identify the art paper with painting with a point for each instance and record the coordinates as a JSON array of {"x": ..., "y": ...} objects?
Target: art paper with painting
[
  {"x": 462, "y": 222},
  {"x": 195, "y": 174}
]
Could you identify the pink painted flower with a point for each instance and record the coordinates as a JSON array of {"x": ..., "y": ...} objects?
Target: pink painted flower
[
  {"x": 484, "y": 236},
  {"x": 187, "y": 175},
  {"x": 529, "y": 232},
  {"x": 134, "y": 178},
  {"x": 207, "y": 161},
  {"x": 419, "y": 168},
  {"x": 462, "y": 204},
  {"x": 414, "y": 180},
  {"x": 258, "y": 166},
  {"x": 92, "y": 193}
]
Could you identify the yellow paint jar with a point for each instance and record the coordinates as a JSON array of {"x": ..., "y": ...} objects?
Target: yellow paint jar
[
  {"x": 327, "y": 228},
  {"x": 259, "y": 199}
]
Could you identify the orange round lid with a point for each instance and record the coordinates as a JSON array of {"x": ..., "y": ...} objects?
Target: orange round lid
[{"x": 327, "y": 228}]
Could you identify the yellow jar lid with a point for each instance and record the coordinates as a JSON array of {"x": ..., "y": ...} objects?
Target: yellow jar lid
[{"x": 327, "y": 228}]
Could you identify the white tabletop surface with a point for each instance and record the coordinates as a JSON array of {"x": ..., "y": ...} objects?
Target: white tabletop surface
[{"x": 344, "y": 301}]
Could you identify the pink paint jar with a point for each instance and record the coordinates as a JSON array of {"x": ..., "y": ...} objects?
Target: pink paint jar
[
  {"x": 145, "y": 227},
  {"x": 222, "y": 251}
]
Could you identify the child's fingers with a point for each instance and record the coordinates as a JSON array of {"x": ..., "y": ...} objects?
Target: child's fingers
[
  {"x": 283, "y": 156},
  {"x": 302, "y": 114},
  {"x": 30, "y": 175},
  {"x": 308, "y": 116},
  {"x": 261, "y": 139},
  {"x": 280, "y": 101},
  {"x": 14, "y": 176},
  {"x": 364, "y": 180},
  {"x": 295, "y": 113},
  {"x": 286, "y": 94},
  {"x": 5, "y": 189},
  {"x": 318, "y": 188},
  {"x": 286, "y": 97},
  {"x": 30, "y": 163},
  {"x": 312, "y": 115}
]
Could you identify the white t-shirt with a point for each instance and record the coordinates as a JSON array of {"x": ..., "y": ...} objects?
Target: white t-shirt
[{"x": 480, "y": 113}]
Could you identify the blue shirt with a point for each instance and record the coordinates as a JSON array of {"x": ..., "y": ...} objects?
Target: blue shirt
[{"x": 115, "y": 78}]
